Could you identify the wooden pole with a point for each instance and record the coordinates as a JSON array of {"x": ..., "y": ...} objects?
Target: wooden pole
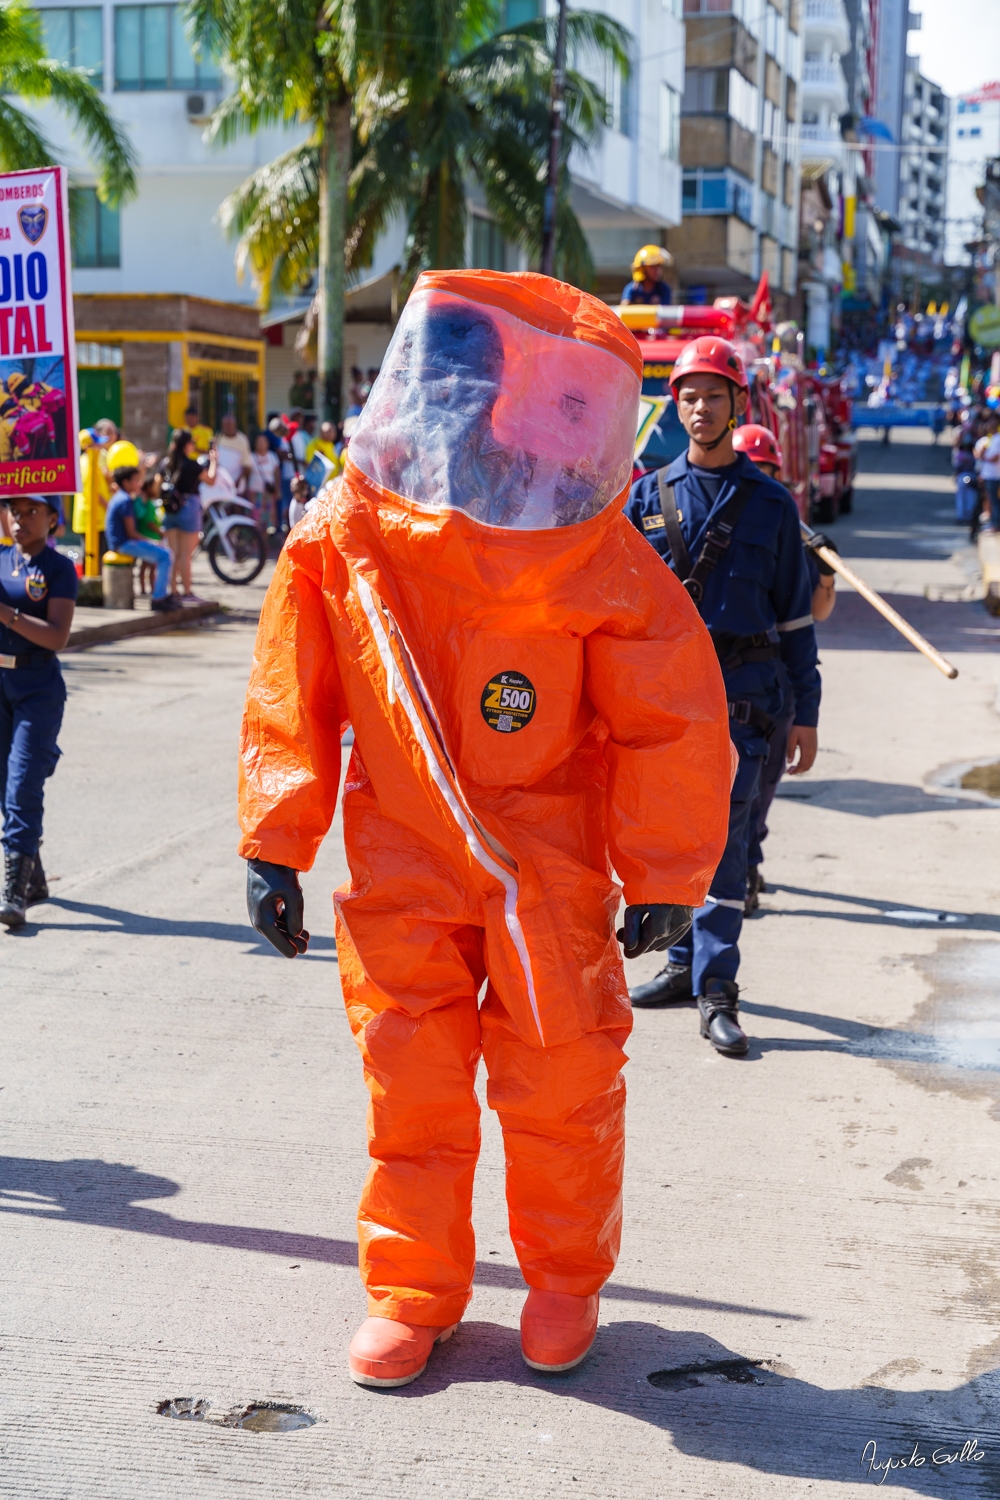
[{"x": 877, "y": 602}]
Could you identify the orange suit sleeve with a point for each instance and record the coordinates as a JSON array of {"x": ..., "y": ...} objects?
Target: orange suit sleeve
[
  {"x": 294, "y": 717},
  {"x": 668, "y": 750}
]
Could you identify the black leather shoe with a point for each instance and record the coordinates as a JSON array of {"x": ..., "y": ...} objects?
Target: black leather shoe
[
  {"x": 17, "y": 879},
  {"x": 38, "y": 888},
  {"x": 755, "y": 884},
  {"x": 668, "y": 987},
  {"x": 719, "y": 1009}
]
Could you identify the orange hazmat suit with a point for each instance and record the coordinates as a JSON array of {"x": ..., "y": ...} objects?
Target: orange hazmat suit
[{"x": 535, "y": 703}]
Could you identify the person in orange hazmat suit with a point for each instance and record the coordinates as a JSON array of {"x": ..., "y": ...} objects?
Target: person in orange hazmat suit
[{"x": 534, "y": 701}]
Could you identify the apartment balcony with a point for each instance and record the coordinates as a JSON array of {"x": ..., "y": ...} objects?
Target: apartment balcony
[
  {"x": 822, "y": 148},
  {"x": 824, "y": 85},
  {"x": 826, "y": 21}
]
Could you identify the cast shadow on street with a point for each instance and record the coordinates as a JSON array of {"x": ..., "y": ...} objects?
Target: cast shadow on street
[
  {"x": 874, "y": 799},
  {"x": 721, "y": 1406},
  {"x": 880, "y": 913},
  {"x": 882, "y": 1043},
  {"x": 109, "y": 1195},
  {"x": 112, "y": 919}
]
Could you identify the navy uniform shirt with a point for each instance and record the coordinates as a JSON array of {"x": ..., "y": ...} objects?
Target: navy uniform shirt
[
  {"x": 760, "y": 584},
  {"x": 27, "y": 584},
  {"x": 637, "y": 292}
]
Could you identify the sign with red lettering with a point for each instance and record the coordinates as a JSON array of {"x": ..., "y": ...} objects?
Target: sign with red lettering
[{"x": 39, "y": 452}]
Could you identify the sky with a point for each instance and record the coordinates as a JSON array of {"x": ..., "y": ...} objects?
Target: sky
[{"x": 959, "y": 43}]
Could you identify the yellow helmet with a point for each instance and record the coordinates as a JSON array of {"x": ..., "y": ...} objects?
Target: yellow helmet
[{"x": 650, "y": 255}]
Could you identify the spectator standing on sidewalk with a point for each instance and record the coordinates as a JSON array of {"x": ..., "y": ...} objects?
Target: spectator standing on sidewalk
[
  {"x": 282, "y": 447},
  {"x": 301, "y": 440},
  {"x": 147, "y": 520},
  {"x": 233, "y": 448},
  {"x": 325, "y": 443},
  {"x": 182, "y": 509},
  {"x": 988, "y": 454},
  {"x": 201, "y": 435},
  {"x": 262, "y": 484},
  {"x": 38, "y": 587},
  {"x": 124, "y": 536},
  {"x": 121, "y": 453}
]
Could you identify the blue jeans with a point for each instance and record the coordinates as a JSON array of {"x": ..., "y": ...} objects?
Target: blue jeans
[
  {"x": 31, "y": 710},
  {"x": 992, "y": 488},
  {"x": 151, "y": 552},
  {"x": 711, "y": 948}
]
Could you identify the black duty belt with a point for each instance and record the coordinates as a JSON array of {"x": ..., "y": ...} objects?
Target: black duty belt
[
  {"x": 742, "y": 711},
  {"x": 734, "y": 650},
  {"x": 717, "y": 537},
  {"x": 27, "y": 659}
]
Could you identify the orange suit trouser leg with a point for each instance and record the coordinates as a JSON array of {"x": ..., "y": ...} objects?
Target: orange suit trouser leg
[
  {"x": 561, "y": 1109},
  {"x": 416, "y": 1245}
]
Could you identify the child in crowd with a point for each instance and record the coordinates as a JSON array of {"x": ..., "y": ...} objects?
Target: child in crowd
[{"x": 147, "y": 520}]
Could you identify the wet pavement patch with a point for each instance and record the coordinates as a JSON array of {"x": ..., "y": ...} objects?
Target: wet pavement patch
[
  {"x": 983, "y": 779},
  {"x": 270, "y": 1416},
  {"x": 687, "y": 1377},
  {"x": 187, "y": 1408}
]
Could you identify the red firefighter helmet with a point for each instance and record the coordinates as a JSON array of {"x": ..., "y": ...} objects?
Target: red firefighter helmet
[
  {"x": 759, "y": 444},
  {"x": 709, "y": 355}
]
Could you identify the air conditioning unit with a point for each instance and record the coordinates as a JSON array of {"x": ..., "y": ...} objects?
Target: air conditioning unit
[{"x": 200, "y": 106}]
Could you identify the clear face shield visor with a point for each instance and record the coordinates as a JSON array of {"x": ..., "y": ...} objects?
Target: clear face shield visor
[{"x": 477, "y": 410}]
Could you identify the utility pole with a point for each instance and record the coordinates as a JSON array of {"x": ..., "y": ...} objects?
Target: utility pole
[{"x": 558, "y": 109}]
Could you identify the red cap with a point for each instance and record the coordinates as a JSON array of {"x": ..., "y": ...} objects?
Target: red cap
[
  {"x": 759, "y": 444},
  {"x": 709, "y": 355}
]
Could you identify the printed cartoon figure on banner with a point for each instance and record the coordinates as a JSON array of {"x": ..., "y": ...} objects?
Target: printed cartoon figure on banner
[{"x": 38, "y": 396}]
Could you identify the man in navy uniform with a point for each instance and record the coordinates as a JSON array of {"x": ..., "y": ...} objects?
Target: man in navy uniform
[
  {"x": 731, "y": 534},
  {"x": 647, "y": 284}
]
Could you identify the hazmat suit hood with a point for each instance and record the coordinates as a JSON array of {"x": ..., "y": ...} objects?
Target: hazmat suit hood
[{"x": 508, "y": 399}]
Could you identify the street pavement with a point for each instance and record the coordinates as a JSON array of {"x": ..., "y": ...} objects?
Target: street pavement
[{"x": 798, "y": 1300}]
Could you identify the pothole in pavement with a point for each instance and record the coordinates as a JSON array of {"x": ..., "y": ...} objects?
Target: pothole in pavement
[
  {"x": 969, "y": 780},
  {"x": 711, "y": 1372},
  {"x": 270, "y": 1416},
  {"x": 187, "y": 1408},
  {"x": 256, "y": 1416}
]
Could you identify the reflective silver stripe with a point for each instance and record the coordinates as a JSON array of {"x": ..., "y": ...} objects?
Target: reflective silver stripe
[
  {"x": 717, "y": 901},
  {"x": 398, "y": 689},
  {"x": 799, "y": 624}
]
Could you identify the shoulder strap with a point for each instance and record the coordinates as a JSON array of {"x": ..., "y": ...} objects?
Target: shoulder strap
[
  {"x": 671, "y": 521},
  {"x": 717, "y": 539}
]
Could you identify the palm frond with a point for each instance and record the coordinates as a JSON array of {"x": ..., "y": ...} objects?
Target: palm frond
[
  {"x": 105, "y": 140},
  {"x": 22, "y": 144}
]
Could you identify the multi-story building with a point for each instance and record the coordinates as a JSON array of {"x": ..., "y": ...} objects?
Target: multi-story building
[
  {"x": 973, "y": 139},
  {"x": 895, "y": 21},
  {"x": 828, "y": 169},
  {"x": 918, "y": 257},
  {"x": 739, "y": 148}
]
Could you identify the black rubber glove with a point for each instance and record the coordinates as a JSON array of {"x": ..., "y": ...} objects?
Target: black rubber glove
[
  {"x": 650, "y": 929},
  {"x": 274, "y": 901},
  {"x": 819, "y": 540}
]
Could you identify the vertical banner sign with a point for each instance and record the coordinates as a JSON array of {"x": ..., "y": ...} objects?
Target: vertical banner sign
[{"x": 38, "y": 405}]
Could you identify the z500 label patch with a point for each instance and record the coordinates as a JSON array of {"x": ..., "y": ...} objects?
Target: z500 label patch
[{"x": 508, "y": 702}]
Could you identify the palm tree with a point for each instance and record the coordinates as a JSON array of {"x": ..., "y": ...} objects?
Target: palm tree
[
  {"x": 27, "y": 72},
  {"x": 439, "y": 96}
]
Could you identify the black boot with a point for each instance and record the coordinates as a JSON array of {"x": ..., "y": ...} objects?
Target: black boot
[
  {"x": 671, "y": 984},
  {"x": 719, "y": 1009},
  {"x": 17, "y": 879},
  {"x": 38, "y": 890}
]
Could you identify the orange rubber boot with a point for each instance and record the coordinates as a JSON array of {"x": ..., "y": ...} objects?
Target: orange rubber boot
[
  {"x": 387, "y": 1353},
  {"x": 557, "y": 1329}
]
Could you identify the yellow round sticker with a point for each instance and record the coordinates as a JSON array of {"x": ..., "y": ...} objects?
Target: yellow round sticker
[{"x": 508, "y": 702}]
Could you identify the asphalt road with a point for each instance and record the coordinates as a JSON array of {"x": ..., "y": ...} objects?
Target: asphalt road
[{"x": 183, "y": 1128}]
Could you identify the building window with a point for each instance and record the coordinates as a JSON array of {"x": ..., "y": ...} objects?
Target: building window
[
  {"x": 517, "y": 12},
  {"x": 75, "y": 38},
  {"x": 94, "y": 230},
  {"x": 152, "y": 51},
  {"x": 489, "y": 249},
  {"x": 975, "y": 130},
  {"x": 706, "y": 192},
  {"x": 961, "y": 132},
  {"x": 670, "y": 122}
]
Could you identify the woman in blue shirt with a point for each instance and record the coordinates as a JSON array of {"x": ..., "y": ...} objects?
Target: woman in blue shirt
[{"x": 37, "y": 597}]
